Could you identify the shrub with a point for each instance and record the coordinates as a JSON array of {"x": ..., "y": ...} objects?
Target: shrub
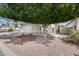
[
  {"x": 73, "y": 37},
  {"x": 0, "y": 27},
  {"x": 10, "y": 30}
]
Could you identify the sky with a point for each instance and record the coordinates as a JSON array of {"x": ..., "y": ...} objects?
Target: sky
[{"x": 39, "y": 1}]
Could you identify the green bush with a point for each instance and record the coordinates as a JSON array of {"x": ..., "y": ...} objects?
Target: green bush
[
  {"x": 10, "y": 30},
  {"x": 0, "y": 27},
  {"x": 73, "y": 37}
]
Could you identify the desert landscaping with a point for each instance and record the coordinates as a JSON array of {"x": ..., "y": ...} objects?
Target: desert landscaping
[{"x": 31, "y": 45}]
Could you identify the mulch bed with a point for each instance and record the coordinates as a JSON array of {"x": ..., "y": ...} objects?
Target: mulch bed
[{"x": 26, "y": 37}]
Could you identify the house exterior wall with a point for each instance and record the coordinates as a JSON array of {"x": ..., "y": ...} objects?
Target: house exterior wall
[
  {"x": 31, "y": 28},
  {"x": 50, "y": 28},
  {"x": 65, "y": 30}
]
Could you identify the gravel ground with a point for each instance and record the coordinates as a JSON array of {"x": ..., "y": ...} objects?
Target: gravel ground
[
  {"x": 33, "y": 48},
  {"x": 1, "y": 53}
]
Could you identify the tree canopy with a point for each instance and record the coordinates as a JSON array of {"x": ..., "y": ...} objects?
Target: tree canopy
[{"x": 41, "y": 13}]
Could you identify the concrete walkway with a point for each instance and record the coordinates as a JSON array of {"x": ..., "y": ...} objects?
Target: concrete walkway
[{"x": 4, "y": 51}]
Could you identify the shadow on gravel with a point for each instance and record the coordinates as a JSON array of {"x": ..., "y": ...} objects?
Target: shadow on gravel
[
  {"x": 21, "y": 39},
  {"x": 42, "y": 40},
  {"x": 76, "y": 55},
  {"x": 71, "y": 42}
]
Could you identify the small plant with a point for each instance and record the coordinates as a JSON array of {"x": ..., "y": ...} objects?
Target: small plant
[
  {"x": 10, "y": 30},
  {"x": 0, "y": 27},
  {"x": 73, "y": 37}
]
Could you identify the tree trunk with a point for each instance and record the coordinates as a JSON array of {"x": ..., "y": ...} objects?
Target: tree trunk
[
  {"x": 44, "y": 30},
  {"x": 58, "y": 31},
  {"x": 55, "y": 29},
  {"x": 75, "y": 26},
  {"x": 45, "y": 33}
]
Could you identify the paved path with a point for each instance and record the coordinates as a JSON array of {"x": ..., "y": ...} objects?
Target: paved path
[{"x": 5, "y": 51}]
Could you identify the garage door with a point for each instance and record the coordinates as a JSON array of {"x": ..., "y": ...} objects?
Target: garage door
[{"x": 27, "y": 29}]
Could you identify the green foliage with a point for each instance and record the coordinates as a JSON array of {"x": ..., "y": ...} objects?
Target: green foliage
[
  {"x": 40, "y": 13},
  {"x": 10, "y": 30},
  {"x": 6, "y": 12},
  {"x": 73, "y": 37}
]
